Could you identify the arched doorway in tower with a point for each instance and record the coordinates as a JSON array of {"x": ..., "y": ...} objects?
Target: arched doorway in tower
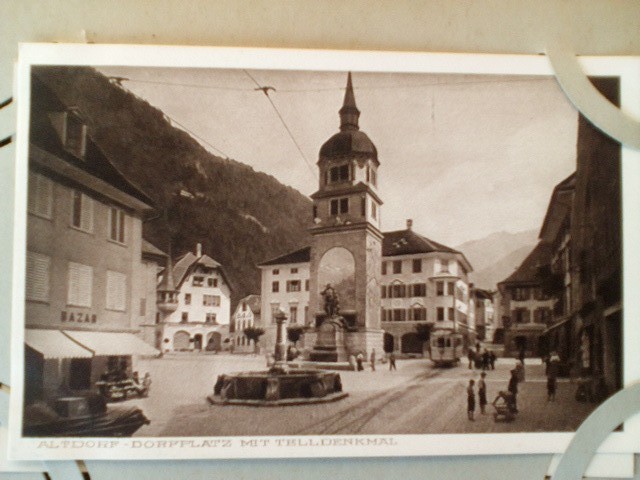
[
  {"x": 214, "y": 342},
  {"x": 338, "y": 268},
  {"x": 387, "y": 342},
  {"x": 181, "y": 340},
  {"x": 411, "y": 343}
]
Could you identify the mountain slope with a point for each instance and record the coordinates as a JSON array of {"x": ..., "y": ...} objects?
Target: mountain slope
[
  {"x": 240, "y": 216},
  {"x": 496, "y": 256}
]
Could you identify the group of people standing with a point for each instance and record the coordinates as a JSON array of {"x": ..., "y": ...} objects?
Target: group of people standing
[
  {"x": 486, "y": 360},
  {"x": 509, "y": 397}
]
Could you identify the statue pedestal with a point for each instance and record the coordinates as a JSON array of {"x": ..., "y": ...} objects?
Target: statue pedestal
[{"x": 330, "y": 342}]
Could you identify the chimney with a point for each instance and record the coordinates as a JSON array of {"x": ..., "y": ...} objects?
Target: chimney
[
  {"x": 199, "y": 250},
  {"x": 409, "y": 224}
]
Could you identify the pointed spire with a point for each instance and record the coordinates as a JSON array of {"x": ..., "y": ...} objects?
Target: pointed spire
[
  {"x": 349, "y": 113},
  {"x": 168, "y": 283}
]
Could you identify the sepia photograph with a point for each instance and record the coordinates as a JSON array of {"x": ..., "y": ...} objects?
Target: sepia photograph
[{"x": 316, "y": 257}]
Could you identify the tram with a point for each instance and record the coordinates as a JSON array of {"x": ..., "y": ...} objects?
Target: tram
[{"x": 445, "y": 348}]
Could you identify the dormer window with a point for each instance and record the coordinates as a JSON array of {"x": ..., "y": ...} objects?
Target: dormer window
[
  {"x": 75, "y": 140},
  {"x": 339, "y": 174}
]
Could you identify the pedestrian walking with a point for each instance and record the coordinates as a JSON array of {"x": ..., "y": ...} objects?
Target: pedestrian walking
[
  {"x": 471, "y": 400},
  {"x": 471, "y": 356},
  {"x": 492, "y": 359},
  {"x": 513, "y": 388},
  {"x": 552, "y": 376},
  {"x": 392, "y": 361},
  {"x": 485, "y": 360},
  {"x": 521, "y": 355},
  {"x": 360, "y": 361},
  {"x": 482, "y": 392},
  {"x": 373, "y": 360}
]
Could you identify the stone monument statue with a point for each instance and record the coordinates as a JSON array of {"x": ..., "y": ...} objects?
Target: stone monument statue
[{"x": 331, "y": 305}]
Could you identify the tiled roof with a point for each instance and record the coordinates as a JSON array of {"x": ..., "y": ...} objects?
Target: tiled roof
[
  {"x": 188, "y": 261},
  {"x": 43, "y": 135},
  {"x": 299, "y": 256},
  {"x": 400, "y": 242},
  {"x": 149, "y": 248},
  {"x": 528, "y": 271}
]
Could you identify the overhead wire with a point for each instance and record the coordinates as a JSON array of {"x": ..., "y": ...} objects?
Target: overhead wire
[{"x": 284, "y": 124}]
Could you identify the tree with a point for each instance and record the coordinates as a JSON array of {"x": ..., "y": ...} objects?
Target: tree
[
  {"x": 294, "y": 333},
  {"x": 253, "y": 333},
  {"x": 423, "y": 331}
]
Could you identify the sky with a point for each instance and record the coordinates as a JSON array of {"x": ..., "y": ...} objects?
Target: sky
[{"x": 464, "y": 156}]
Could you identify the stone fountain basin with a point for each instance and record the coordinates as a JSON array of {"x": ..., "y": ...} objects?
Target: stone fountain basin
[{"x": 272, "y": 388}]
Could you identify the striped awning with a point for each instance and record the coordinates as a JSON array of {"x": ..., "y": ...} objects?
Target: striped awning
[
  {"x": 54, "y": 344},
  {"x": 111, "y": 343}
]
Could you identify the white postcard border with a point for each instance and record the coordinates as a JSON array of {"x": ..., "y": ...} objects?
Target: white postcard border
[{"x": 334, "y": 445}]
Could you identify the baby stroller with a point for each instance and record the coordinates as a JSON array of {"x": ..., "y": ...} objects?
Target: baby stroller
[{"x": 505, "y": 407}]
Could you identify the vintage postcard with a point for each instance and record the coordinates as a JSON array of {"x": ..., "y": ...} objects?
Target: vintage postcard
[{"x": 228, "y": 253}]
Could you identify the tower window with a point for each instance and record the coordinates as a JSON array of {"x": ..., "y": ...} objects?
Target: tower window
[
  {"x": 339, "y": 174},
  {"x": 339, "y": 205},
  {"x": 363, "y": 206},
  {"x": 374, "y": 210}
]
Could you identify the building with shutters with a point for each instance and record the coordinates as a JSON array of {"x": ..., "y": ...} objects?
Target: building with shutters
[
  {"x": 527, "y": 307},
  {"x": 201, "y": 317},
  {"x": 247, "y": 315},
  {"x": 85, "y": 293}
]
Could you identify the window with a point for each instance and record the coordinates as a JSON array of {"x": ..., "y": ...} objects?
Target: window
[
  {"x": 40, "y": 195},
  {"x": 293, "y": 314},
  {"x": 275, "y": 271},
  {"x": 198, "y": 281},
  {"x": 419, "y": 290},
  {"x": 116, "y": 224},
  {"x": 384, "y": 268},
  {"x": 210, "y": 318},
  {"x": 293, "y": 285},
  {"x": 76, "y": 135},
  {"x": 314, "y": 212},
  {"x": 211, "y": 300},
  {"x": 440, "y": 314},
  {"x": 521, "y": 293},
  {"x": 451, "y": 288},
  {"x": 397, "y": 266},
  {"x": 80, "y": 285},
  {"x": 38, "y": 271},
  {"x": 339, "y": 173},
  {"x": 116, "y": 291},
  {"x": 397, "y": 290},
  {"x": 439, "y": 289},
  {"x": 373, "y": 177},
  {"x": 244, "y": 306},
  {"x": 363, "y": 206},
  {"x": 542, "y": 315},
  {"x": 212, "y": 282},
  {"x": 444, "y": 266},
  {"x": 418, "y": 313},
  {"x": 82, "y": 211},
  {"x": 275, "y": 307},
  {"x": 187, "y": 299},
  {"x": 521, "y": 315},
  {"x": 399, "y": 315},
  {"x": 294, "y": 270},
  {"x": 339, "y": 206},
  {"x": 306, "y": 285},
  {"x": 185, "y": 317},
  {"x": 383, "y": 291},
  {"x": 539, "y": 294},
  {"x": 417, "y": 265},
  {"x": 306, "y": 314},
  {"x": 374, "y": 210},
  {"x": 275, "y": 287},
  {"x": 452, "y": 314}
]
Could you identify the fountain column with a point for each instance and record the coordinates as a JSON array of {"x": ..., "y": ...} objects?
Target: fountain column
[{"x": 280, "y": 354}]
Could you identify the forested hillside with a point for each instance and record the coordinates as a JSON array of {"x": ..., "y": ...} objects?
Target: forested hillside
[{"x": 240, "y": 216}]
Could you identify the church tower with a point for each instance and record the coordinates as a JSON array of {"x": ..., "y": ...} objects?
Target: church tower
[{"x": 346, "y": 246}]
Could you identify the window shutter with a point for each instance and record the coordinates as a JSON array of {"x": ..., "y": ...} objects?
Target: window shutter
[
  {"x": 86, "y": 213},
  {"x": 37, "y": 287},
  {"x": 116, "y": 290},
  {"x": 40, "y": 199},
  {"x": 80, "y": 285}
]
